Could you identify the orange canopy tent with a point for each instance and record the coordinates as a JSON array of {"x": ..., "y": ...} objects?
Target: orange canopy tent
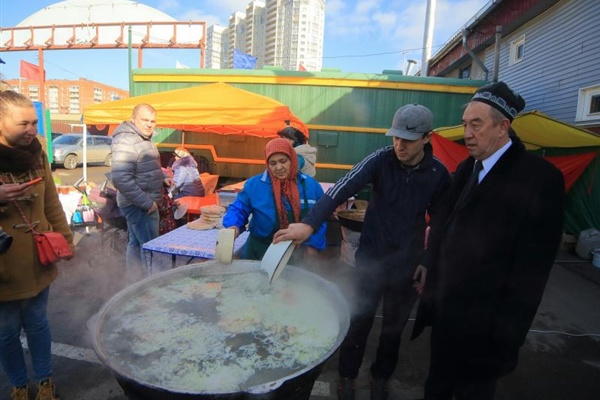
[{"x": 215, "y": 108}]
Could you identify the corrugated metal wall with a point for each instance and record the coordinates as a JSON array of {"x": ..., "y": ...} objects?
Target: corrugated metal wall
[{"x": 327, "y": 107}]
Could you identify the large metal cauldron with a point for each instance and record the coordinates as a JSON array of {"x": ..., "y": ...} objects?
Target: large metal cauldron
[{"x": 295, "y": 385}]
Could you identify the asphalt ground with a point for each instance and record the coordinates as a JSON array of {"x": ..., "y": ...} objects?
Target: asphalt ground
[{"x": 560, "y": 359}]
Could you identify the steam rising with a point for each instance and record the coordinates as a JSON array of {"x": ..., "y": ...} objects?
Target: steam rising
[{"x": 218, "y": 333}]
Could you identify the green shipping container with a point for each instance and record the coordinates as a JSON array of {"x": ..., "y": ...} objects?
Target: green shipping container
[{"x": 347, "y": 113}]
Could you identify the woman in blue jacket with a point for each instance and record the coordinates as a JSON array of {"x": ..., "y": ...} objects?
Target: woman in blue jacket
[{"x": 277, "y": 197}]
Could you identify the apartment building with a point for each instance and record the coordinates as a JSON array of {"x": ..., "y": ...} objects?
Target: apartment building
[
  {"x": 297, "y": 33},
  {"x": 237, "y": 35},
  {"x": 255, "y": 32},
  {"x": 283, "y": 33},
  {"x": 217, "y": 43},
  {"x": 66, "y": 98}
]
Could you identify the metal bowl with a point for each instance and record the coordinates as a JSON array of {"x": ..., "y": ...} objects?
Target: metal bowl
[
  {"x": 352, "y": 219},
  {"x": 295, "y": 384}
]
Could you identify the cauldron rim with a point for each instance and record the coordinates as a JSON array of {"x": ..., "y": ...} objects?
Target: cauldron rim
[{"x": 215, "y": 267}]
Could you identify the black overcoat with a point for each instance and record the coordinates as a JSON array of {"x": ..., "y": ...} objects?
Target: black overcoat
[{"x": 492, "y": 258}]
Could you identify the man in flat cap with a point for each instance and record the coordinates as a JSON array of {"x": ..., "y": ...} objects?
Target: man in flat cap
[
  {"x": 492, "y": 255},
  {"x": 407, "y": 181}
]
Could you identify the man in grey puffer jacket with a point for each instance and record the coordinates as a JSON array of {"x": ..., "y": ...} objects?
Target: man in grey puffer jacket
[{"x": 139, "y": 179}]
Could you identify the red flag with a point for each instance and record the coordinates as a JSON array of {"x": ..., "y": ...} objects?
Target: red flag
[
  {"x": 29, "y": 71},
  {"x": 301, "y": 67}
]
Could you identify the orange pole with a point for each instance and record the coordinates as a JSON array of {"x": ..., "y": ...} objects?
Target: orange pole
[
  {"x": 42, "y": 76},
  {"x": 140, "y": 57}
]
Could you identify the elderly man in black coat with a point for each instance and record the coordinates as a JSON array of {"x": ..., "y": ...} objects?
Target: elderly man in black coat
[{"x": 492, "y": 252}]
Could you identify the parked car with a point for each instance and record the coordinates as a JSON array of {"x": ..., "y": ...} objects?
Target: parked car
[{"x": 68, "y": 150}]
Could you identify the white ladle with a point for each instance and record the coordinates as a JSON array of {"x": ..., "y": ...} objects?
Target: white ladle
[{"x": 275, "y": 259}]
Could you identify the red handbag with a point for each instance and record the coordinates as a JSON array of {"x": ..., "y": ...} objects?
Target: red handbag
[{"x": 51, "y": 246}]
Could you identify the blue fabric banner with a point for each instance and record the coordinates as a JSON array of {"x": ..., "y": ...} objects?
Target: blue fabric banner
[{"x": 243, "y": 60}]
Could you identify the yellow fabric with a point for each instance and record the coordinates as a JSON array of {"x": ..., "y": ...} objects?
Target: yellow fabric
[
  {"x": 215, "y": 107},
  {"x": 537, "y": 130}
]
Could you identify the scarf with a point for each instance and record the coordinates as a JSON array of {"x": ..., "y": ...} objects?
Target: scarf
[
  {"x": 20, "y": 159},
  {"x": 287, "y": 187}
]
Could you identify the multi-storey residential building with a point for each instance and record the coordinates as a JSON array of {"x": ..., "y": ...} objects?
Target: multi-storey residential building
[
  {"x": 273, "y": 33},
  {"x": 66, "y": 98},
  {"x": 217, "y": 43},
  {"x": 255, "y": 31},
  {"x": 300, "y": 29},
  {"x": 237, "y": 34},
  {"x": 283, "y": 33}
]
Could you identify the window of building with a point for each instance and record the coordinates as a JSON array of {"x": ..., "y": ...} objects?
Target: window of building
[
  {"x": 595, "y": 104},
  {"x": 517, "y": 50},
  {"x": 588, "y": 104},
  {"x": 465, "y": 73},
  {"x": 97, "y": 94}
]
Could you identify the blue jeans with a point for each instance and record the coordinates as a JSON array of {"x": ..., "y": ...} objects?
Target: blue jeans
[
  {"x": 30, "y": 315},
  {"x": 141, "y": 228}
]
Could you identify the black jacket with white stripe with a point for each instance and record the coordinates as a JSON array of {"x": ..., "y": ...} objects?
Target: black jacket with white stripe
[{"x": 395, "y": 222}]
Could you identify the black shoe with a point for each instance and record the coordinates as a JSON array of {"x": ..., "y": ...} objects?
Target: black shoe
[
  {"x": 346, "y": 388},
  {"x": 379, "y": 389}
]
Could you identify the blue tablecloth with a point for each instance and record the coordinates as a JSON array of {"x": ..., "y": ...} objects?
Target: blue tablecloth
[{"x": 183, "y": 246}]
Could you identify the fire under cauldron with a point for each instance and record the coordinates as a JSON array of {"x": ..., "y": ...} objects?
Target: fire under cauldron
[{"x": 220, "y": 331}]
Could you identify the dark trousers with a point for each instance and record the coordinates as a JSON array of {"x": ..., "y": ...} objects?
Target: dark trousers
[
  {"x": 372, "y": 283},
  {"x": 446, "y": 380},
  {"x": 440, "y": 388}
]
